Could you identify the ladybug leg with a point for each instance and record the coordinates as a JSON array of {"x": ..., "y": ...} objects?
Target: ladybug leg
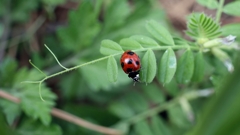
[{"x": 134, "y": 83}]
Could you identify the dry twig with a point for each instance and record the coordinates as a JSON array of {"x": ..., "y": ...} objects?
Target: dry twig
[{"x": 68, "y": 117}]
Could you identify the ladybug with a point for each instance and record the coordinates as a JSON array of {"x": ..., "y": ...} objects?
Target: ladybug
[{"x": 131, "y": 64}]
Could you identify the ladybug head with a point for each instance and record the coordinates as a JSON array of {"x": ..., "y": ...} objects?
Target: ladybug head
[{"x": 134, "y": 76}]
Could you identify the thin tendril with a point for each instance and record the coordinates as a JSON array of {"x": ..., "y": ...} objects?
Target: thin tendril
[
  {"x": 55, "y": 58},
  {"x": 36, "y": 68},
  {"x": 40, "y": 91}
]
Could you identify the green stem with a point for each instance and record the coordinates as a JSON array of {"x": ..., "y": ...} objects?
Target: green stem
[
  {"x": 36, "y": 67},
  {"x": 69, "y": 69},
  {"x": 103, "y": 58},
  {"x": 76, "y": 67},
  {"x": 219, "y": 10},
  {"x": 176, "y": 47},
  {"x": 154, "y": 111}
]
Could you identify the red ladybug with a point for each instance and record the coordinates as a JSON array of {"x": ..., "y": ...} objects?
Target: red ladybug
[{"x": 131, "y": 64}]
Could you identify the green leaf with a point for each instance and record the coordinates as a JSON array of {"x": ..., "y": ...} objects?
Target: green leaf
[
  {"x": 33, "y": 106},
  {"x": 11, "y": 110},
  {"x": 116, "y": 14},
  {"x": 231, "y": 29},
  {"x": 142, "y": 128},
  {"x": 173, "y": 88},
  {"x": 30, "y": 103},
  {"x": 97, "y": 73},
  {"x": 220, "y": 115},
  {"x": 20, "y": 10},
  {"x": 159, "y": 32},
  {"x": 211, "y": 4},
  {"x": 167, "y": 67},
  {"x": 232, "y": 8},
  {"x": 201, "y": 26},
  {"x": 149, "y": 67},
  {"x": 154, "y": 94},
  {"x": 178, "y": 117},
  {"x": 123, "y": 127},
  {"x": 77, "y": 34},
  {"x": 185, "y": 67},
  {"x": 159, "y": 127},
  {"x": 30, "y": 127},
  {"x": 180, "y": 41},
  {"x": 137, "y": 102},
  {"x": 129, "y": 44},
  {"x": 112, "y": 69},
  {"x": 8, "y": 68},
  {"x": 145, "y": 41},
  {"x": 121, "y": 109},
  {"x": 199, "y": 65},
  {"x": 109, "y": 47},
  {"x": 4, "y": 126},
  {"x": 53, "y": 2},
  {"x": 1, "y": 29}
]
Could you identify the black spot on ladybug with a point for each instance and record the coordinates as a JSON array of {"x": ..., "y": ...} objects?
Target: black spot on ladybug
[
  {"x": 130, "y": 53},
  {"x": 122, "y": 64},
  {"x": 137, "y": 62},
  {"x": 130, "y": 61},
  {"x": 129, "y": 70}
]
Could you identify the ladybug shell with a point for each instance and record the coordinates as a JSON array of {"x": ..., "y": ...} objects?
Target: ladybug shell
[{"x": 130, "y": 62}]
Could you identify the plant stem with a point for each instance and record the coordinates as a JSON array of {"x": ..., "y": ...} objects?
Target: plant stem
[
  {"x": 103, "y": 58},
  {"x": 68, "y": 117},
  {"x": 219, "y": 10},
  {"x": 154, "y": 111},
  {"x": 176, "y": 47},
  {"x": 76, "y": 67}
]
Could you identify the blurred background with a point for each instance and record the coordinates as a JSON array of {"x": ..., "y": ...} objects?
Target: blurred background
[{"x": 73, "y": 30}]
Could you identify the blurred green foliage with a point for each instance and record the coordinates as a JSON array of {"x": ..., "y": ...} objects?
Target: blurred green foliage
[{"x": 87, "y": 92}]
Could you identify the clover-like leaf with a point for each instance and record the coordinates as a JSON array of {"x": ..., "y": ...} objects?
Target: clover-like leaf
[
  {"x": 109, "y": 47},
  {"x": 159, "y": 32},
  {"x": 167, "y": 66},
  {"x": 185, "y": 67},
  {"x": 112, "y": 69},
  {"x": 129, "y": 44},
  {"x": 145, "y": 41},
  {"x": 149, "y": 67}
]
